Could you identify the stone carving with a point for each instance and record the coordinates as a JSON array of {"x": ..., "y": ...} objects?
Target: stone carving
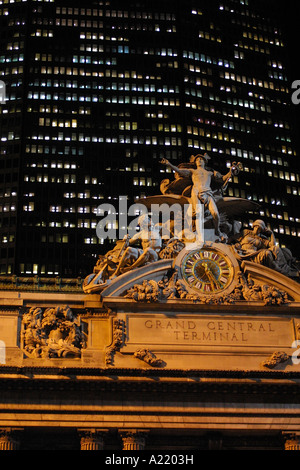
[
  {"x": 149, "y": 357},
  {"x": 148, "y": 291},
  {"x": 199, "y": 179},
  {"x": 10, "y": 439},
  {"x": 118, "y": 340},
  {"x": 276, "y": 358},
  {"x": 172, "y": 248},
  {"x": 130, "y": 253},
  {"x": 152, "y": 291},
  {"x": 106, "y": 266},
  {"x": 151, "y": 244},
  {"x": 54, "y": 332},
  {"x": 193, "y": 188},
  {"x": 259, "y": 245},
  {"x": 171, "y": 287},
  {"x": 270, "y": 295}
]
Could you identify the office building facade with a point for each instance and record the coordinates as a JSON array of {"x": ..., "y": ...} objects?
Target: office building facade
[{"x": 98, "y": 92}]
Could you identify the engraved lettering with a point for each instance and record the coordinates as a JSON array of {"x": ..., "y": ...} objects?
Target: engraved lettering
[
  {"x": 209, "y": 331},
  {"x": 176, "y": 334}
]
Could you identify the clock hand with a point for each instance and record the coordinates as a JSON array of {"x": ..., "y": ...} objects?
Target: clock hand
[{"x": 211, "y": 277}]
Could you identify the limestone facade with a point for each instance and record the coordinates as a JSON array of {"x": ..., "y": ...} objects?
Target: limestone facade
[{"x": 112, "y": 371}]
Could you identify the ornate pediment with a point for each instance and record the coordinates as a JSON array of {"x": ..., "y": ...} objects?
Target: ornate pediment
[{"x": 212, "y": 274}]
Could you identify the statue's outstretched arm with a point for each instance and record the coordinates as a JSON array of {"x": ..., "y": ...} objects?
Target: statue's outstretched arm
[{"x": 181, "y": 171}]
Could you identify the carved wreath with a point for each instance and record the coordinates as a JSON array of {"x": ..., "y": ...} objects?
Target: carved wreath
[{"x": 52, "y": 333}]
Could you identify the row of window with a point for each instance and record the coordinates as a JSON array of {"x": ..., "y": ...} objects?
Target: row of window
[
  {"x": 258, "y": 26},
  {"x": 170, "y": 28},
  {"x": 58, "y": 122},
  {"x": 45, "y": 178},
  {"x": 11, "y": 71},
  {"x": 208, "y": 146},
  {"x": 7, "y": 238},
  {"x": 207, "y": 59},
  {"x": 241, "y": 153},
  {"x": 209, "y": 134},
  {"x": 91, "y": 224},
  {"x": 115, "y": 13},
  {"x": 261, "y": 38},
  {"x": 8, "y": 192},
  {"x": 8, "y": 207},
  {"x": 140, "y": 100},
  {"x": 254, "y": 47},
  {"x": 74, "y": 71},
  {"x": 209, "y": 36},
  {"x": 121, "y": 99},
  {"x": 114, "y": 86},
  {"x": 11, "y": 58},
  {"x": 254, "y": 81},
  {"x": 241, "y": 113},
  {"x": 88, "y": 223},
  {"x": 73, "y": 209},
  {"x": 83, "y": 195},
  {"x": 153, "y": 140},
  {"x": 46, "y": 149}
]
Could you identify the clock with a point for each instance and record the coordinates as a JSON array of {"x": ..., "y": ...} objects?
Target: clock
[{"x": 209, "y": 270}]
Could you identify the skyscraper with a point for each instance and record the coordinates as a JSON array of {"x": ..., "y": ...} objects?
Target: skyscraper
[{"x": 98, "y": 92}]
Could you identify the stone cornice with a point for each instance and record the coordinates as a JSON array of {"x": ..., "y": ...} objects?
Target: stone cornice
[
  {"x": 40, "y": 284},
  {"x": 265, "y": 390},
  {"x": 37, "y": 372},
  {"x": 184, "y": 306}
]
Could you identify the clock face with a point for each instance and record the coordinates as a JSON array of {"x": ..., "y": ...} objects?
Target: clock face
[{"x": 206, "y": 270}]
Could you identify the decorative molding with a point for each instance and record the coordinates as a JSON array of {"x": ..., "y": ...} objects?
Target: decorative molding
[
  {"x": 292, "y": 440},
  {"x": 92, "y": 439},
  {"x": 171, "y": 287},
  {"x": 118, "y": 340},
  {"x": 41, "y": 284},
  {"x": 276, "y": 358},
  {"x": 52, "y": 333},
  {"x": 149, "y": 357},
  {"x": 9, "y": 438},
  {"x": 134, "y": 439},
  {"x": 143, "y": 354}
]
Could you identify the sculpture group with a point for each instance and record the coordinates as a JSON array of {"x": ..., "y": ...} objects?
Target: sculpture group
[{"x": 203, "y": 189}]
